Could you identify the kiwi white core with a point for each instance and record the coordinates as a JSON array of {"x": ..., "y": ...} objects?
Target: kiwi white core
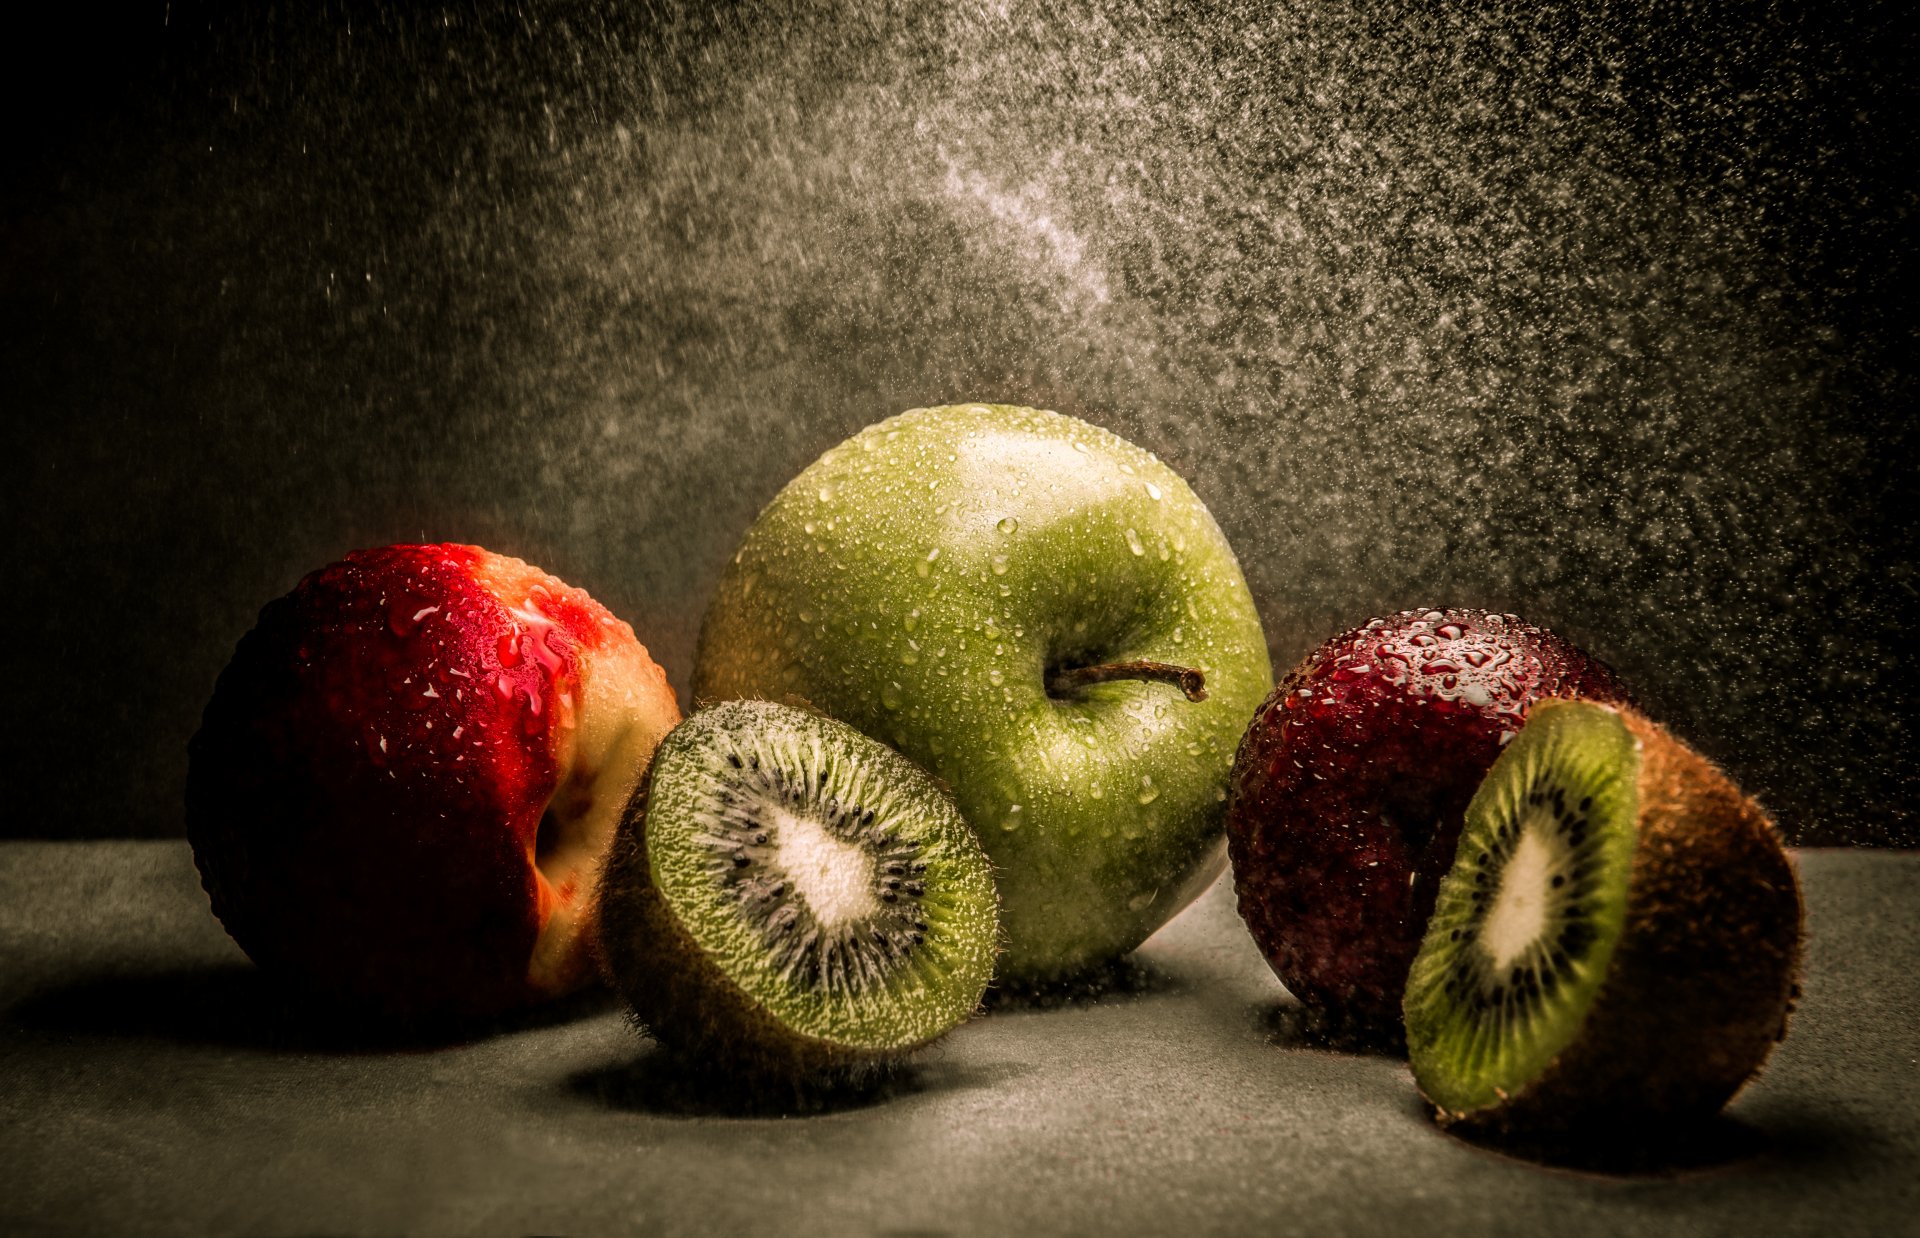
[
  {"x": 1519, "y": 914},
  {"x": 835, "y": 878}
]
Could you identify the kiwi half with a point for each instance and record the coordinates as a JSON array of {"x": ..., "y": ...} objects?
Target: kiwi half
[
  {"x": 787, "y": 896},
  {"x": 1617, "y": 941}
]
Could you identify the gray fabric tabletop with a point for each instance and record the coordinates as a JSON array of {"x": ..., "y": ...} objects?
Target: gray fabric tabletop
[{"x": 151, "y": 1082}]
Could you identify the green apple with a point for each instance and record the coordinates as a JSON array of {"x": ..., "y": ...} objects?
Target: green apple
[{"x": 1010, "y": 597}]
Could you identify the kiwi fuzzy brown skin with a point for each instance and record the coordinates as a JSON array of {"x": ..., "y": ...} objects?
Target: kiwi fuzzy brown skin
[
  {"x": 679, "y": 995},
  {"x": 1701, "y": 981}
]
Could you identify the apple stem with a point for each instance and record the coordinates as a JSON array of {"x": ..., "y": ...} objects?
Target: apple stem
[{"x": 1186, "y": 678}]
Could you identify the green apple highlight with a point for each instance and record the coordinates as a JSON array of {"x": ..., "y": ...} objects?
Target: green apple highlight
[{"x": 979, "y": 585}]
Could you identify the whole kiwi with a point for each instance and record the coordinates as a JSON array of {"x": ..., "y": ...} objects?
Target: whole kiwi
[
  {"x": 787, "y": 897},
  {"x": 1617, "y": 942}
]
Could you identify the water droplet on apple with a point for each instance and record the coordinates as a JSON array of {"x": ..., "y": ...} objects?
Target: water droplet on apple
[
  {"x": 1134, "y": 544},
  {"x": 891, "y": 695},
  {"x": 1152, "y": 489},
  {"x": 1007, "y": 524},
  {"x": 1012, "y": 820},
  {"x": 1096, "y": 792},
  {"x": 508, "y": 647},
  {"x": 1193, "y": 749},
  {"x": 1140, "y": 901},
  {"x": 406, "y": 614},
  {"x": 1450, "y": 631},
  {"x": 912, "y": 620},
  {"x": 1148, "y": 792},
  {"x": 996, "y": 677},
  {"x": 999, "y": 565},
  {"x": 826, "y": 494}
]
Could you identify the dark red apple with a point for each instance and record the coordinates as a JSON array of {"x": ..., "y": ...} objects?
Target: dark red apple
[
  {"x": 1350, "y": 787},
  {"x": 402, "y": 789}
]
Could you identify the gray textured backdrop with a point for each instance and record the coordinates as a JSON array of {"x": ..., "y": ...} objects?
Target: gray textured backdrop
[{"x": 1597, "y": 314}]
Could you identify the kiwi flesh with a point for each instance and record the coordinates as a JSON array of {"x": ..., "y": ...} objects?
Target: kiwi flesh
[
  {"x": 1616, "y": 944},
  {"x": 787, "y": 897}
]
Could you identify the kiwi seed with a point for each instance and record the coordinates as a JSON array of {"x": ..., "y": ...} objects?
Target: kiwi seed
[{"x": 788, "y": 896}]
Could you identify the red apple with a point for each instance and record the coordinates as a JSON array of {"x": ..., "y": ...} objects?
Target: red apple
[
  {"x": 402, "y": 789},
  {"x": 1350, "y": 788}
]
